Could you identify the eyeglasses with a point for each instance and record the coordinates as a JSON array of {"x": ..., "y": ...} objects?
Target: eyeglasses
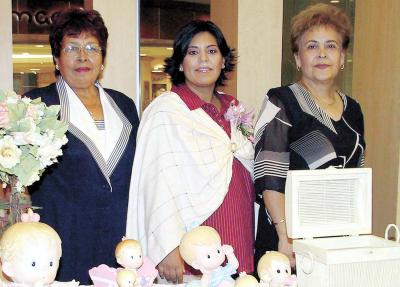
[{"x": 74, "y": 50}]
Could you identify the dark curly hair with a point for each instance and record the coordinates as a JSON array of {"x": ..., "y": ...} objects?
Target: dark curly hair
[
  {"x": 73, "y": 22},
  {"x": 181, "y": 44}
]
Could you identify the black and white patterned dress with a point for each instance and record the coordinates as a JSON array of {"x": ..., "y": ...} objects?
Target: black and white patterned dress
[{"x": 293, "y": 132}]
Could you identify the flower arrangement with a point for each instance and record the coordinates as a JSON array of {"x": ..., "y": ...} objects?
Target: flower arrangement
[
  {"x": 243, "y": 120},
  {"x": 31, "y": 138}
]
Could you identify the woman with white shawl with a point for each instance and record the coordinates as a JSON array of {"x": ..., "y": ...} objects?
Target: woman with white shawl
[{"x": 194, "y": 157}]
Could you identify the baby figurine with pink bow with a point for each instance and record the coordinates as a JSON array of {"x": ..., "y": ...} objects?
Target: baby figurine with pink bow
[{"x": 30, "y": 252}]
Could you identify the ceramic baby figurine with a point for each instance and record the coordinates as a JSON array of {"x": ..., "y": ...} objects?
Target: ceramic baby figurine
[
  {"x": 201, "y": 248},
  {"x": 274, "y": 270},
  {"x": 126, "y": 278},
  {"x": 245, "y": 280},
  {"x": 129, "y": 254},
  {"x": 30, "y": 253}
]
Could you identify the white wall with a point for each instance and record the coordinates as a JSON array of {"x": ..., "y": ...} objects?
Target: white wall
[
  {"x": 260, "y": 49},
  {"x": 6, "y": 68},
  {"x": 121, "y": 69}
]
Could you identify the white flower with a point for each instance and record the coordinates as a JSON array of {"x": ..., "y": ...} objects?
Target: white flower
[
  {"x": 48, "y": 152},
  {"x": 9, "y": 153},
  {"x": 34, "y": 177}
]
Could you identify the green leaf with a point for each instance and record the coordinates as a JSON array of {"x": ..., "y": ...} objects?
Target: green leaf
[
  {"x": 23, "y": 125},
  {"x": 2, "y": 96},
  {"x": 57, "y": 126},
  {"x": 52, "y": 111},
  {"x": 28, "y": 166},
  {"x": 16, "y": 111},
  {"x": 36, "y": 101}
]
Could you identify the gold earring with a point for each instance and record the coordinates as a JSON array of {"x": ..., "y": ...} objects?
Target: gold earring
[
  {"x": 342, "y": 67},
  {"x": 223, "y": 66},
  {"x": 57, "y": 68},
  {"x": 298, "y": 68},
  {"x": 102, "y": 67},
  {"x": 180, "y": 68}
]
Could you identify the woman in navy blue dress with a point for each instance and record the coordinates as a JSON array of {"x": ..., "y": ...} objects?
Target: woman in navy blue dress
[{"x": 84, "y": 197}]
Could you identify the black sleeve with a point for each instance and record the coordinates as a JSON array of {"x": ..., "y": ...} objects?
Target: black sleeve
[{"x": 272, "y": 148}]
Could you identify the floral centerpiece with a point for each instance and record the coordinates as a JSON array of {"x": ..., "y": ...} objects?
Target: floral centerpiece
[{"x": 31, "y": 137}]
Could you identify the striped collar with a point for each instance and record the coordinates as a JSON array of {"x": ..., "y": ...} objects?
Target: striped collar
[
  {"x": 106, "y": 166},
  {"x": 308, "y": 105}
]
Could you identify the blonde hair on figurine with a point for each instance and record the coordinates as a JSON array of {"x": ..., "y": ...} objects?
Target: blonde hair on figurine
[
  {"x": 199, "y": 236},
  {"x": 246, "y": 280},
  {"x": 268, "y": 262},
  {"x": 127, "y": 243},
  {"x": 27, "y": 234},
  {"x": 126, "y": 278}
]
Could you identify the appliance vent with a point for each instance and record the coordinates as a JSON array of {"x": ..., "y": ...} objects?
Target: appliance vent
[{"x": 327, "y": 201}]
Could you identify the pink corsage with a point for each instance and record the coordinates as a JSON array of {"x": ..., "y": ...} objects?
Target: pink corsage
[{"x": 243, "y": 120}]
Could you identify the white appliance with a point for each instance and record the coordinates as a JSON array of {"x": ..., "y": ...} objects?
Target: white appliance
[{"x": 328, "y": 214}]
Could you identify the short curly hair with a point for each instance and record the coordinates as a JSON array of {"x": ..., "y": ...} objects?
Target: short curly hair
[
  {"x": 73, "y": 22},
  {"x": 181, "y": 44},
  {"x": 320, "y": 15}
]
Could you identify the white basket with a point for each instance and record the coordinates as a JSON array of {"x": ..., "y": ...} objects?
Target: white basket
[{"x": 337, "y": 202}]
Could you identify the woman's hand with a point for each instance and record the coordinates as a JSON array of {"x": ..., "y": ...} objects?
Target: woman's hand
[
  {"x": 275, "y": 203},
  {"x": 286, "y": 247},
  {"x": 172, "y": 267}
]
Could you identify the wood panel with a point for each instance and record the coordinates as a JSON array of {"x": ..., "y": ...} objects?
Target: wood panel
[{"x": 376, "y": 85}]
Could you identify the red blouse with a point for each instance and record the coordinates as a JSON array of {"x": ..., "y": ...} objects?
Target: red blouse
[{"x": 234, "y": 219}]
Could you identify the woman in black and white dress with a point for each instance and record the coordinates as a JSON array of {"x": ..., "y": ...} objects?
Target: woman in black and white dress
[{"x": 306, "y": 125}]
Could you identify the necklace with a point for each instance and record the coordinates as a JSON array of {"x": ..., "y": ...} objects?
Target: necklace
[{"x": 322, "y": 101}]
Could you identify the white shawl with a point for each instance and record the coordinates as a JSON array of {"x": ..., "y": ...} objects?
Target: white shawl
[{"x": 181, "y": 173}]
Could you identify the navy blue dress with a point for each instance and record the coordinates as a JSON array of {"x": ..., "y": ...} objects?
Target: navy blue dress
[{"x": 83, "y": 197}]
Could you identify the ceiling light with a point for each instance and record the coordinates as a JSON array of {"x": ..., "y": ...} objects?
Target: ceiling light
[
  {"x": 143, "y": 55},
  {"x": 335, "y": 1},
  {"x": 30, "y": 56},
  {"x": 169, "y": 48},
  {"x": 34, "y": 69},
  {"x": 39, "y": 46}
]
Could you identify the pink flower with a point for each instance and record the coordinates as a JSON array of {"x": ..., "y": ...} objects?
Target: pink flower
[
  {"x": 4, "y": 117},
  {"x": 243, "y": 121}
]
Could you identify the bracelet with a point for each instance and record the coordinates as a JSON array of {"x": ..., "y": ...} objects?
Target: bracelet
[{"x": 280, "y": 221}]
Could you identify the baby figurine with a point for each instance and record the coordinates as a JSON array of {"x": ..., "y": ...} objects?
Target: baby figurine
[
  {"x": 129, "y": 254},
  {"x": 126, "y": 278},
  {"x": 30, "y": 253},
  {"x": 201, "y": 248},
  {"x": 274, "y": 270},
  {"x": 246, "y": 280}
]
